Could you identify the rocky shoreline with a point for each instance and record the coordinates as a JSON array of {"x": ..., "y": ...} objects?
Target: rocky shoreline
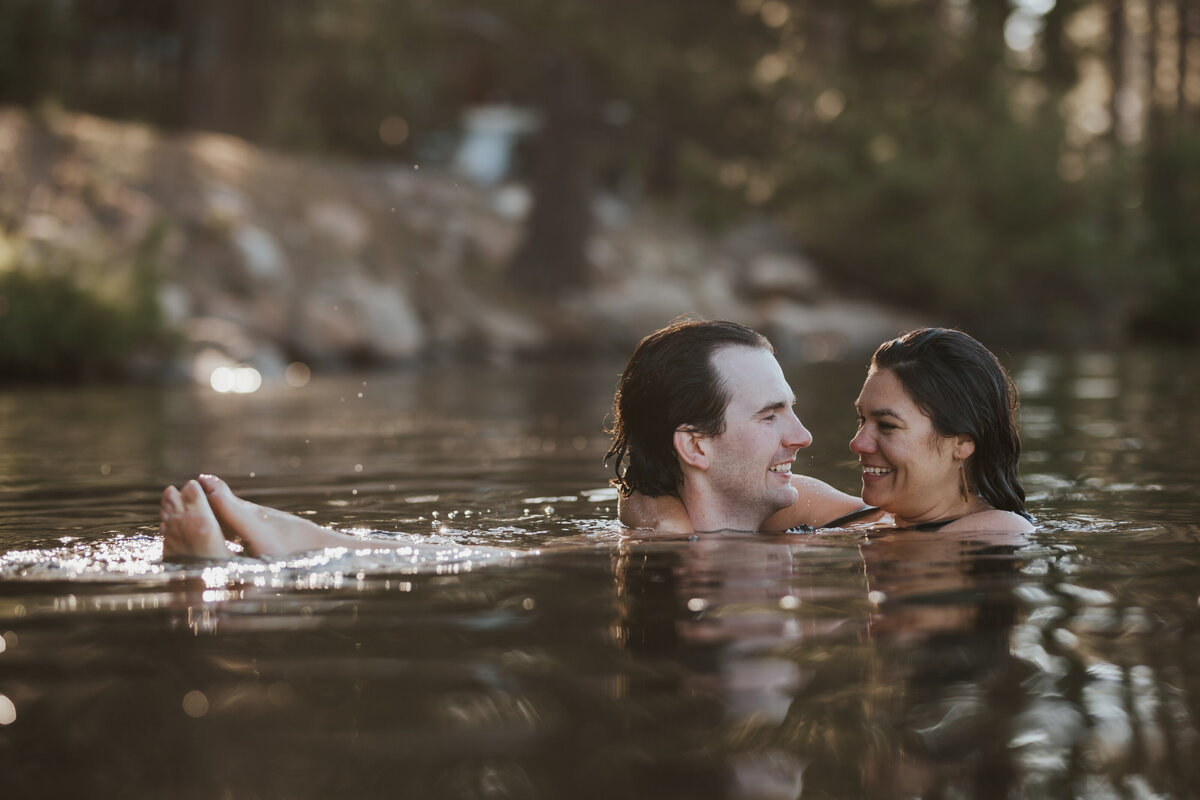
[{"x": 263, "y": 258}]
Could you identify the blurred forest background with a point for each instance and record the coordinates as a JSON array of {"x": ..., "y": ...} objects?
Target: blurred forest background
[{"x": 1028, "y": 168}]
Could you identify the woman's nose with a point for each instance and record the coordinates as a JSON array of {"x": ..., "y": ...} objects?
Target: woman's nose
[{"x": 862, "y": 442}]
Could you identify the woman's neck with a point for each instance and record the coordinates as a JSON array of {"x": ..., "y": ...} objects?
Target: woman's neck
[{"x": 946, "y": 513}]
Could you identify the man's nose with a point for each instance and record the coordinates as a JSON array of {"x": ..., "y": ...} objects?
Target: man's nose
[{"x": 799, "y": 436}]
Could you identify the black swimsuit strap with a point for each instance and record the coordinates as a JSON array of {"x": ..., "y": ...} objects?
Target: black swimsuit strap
[
  {"x": 853, "y": 516},
  {"x": 933, "y": 525},
  {"x": 841, "y": 521},
  {"x": 858, "y": 514}
]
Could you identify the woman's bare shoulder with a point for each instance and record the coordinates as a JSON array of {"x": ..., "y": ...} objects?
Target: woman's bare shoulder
[{"x": 992, "y": 520}]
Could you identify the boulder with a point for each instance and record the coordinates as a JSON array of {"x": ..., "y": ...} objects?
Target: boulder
[
  {"x": 356, "y": 318},
  {"x": 268, "y": 254}
]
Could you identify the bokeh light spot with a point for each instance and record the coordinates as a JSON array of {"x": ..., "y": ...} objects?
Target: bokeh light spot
[
  {"x": 8, "y": 711},
  {"x": 830, "y": 104},
  {"x": 297, "y": 374},
  {"x": 775, "y": 13},
  {"x": 195, "y": 704},
  {"x": 393, "y": 130}
]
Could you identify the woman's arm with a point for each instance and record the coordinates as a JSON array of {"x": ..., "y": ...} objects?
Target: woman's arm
[{"x": 816, "y": 503}]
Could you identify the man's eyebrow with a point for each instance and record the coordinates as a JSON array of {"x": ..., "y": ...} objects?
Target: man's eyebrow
[{"x": 776, "y": 406}]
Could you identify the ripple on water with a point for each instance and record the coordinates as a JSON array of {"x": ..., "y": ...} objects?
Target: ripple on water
[{"x": 121, "y": 559}]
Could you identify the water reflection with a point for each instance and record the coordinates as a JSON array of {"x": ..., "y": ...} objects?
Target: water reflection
[{"x": 721, "y": 666}]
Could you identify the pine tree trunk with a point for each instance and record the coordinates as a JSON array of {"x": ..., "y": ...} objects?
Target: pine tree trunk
[
  {"x": 552, "y": 257},
  {"x": 1183, "y": 15},
  {"x": 1117, "y": 31}
]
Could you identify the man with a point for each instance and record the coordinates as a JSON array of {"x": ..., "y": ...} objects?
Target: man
[{"x": 702, "y": 413}]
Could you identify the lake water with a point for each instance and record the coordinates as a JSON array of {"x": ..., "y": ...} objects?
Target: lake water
[{"x": 569, "y": 658}]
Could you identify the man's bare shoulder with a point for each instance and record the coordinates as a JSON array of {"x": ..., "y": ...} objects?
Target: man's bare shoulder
[{"x": 665, "y": 513}]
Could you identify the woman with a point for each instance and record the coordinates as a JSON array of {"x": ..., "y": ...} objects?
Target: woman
[{"x": 937, "y": 444}]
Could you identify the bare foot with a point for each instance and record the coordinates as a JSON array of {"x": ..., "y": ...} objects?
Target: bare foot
[
  {"x": 266, "y": 531},
  {"x": 188, "y": 526}
]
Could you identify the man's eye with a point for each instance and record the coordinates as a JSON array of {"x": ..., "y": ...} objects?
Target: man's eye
[{"x": 769, "y": 418}]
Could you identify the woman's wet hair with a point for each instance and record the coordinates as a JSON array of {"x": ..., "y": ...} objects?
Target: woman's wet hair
[
  {"x": 669, "y": 383},
  {"x": 964, "y": 389}
]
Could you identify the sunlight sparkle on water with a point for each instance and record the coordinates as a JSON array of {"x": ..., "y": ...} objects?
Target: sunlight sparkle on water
[{"x": 239, "y": 380}]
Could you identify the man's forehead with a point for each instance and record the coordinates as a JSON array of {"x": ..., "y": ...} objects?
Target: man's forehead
[
  {"x": 753, "y": 376},
  {"x": 743, "y": 358}
]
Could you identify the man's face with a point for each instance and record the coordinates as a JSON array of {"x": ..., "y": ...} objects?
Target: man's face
[{"x": 750, "y": 463}]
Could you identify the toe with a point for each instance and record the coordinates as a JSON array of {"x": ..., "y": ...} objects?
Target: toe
[
  {"x": 212, "y": 484},
  {"x": 170, "y": 501},
  {"x": 193, "y": 497},
  {"x": 224, "y": 503},
  {"x": 170, "y": 508}
]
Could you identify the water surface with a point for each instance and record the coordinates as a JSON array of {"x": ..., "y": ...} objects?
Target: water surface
[{"x": 528, "y": 647}]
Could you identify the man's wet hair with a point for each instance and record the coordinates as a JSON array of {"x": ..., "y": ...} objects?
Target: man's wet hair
[{"x": 670, "y": 383}]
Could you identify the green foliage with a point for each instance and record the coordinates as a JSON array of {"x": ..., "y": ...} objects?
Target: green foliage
[
  {"x": 920, "y": 186},
  {"x": 55, "y": 325},
  {"x": 926, "y": 189},
  {"x": 960, "y": 219}
]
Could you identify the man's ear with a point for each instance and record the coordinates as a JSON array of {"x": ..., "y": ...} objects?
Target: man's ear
[
  {"x": 689, "y": 446},
  {"x": 964, "y": 446}
]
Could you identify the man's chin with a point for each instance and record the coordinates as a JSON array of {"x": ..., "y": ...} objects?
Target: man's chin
[{"x": 787, "y": 498}]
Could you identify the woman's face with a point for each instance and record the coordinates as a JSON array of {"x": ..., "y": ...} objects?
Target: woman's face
[{"x": 908, "y": 468}]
